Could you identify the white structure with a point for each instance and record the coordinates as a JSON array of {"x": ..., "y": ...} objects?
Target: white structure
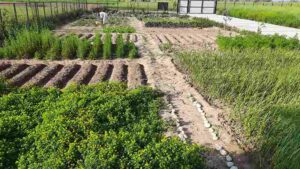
[
  {"x": 104, "y": 17},
  {"x": 197, "y": 6}
]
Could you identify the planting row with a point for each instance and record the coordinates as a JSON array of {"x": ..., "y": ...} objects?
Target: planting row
[
  {"x": 44, "y": 45},
  {"x": 179, "y": 22},
  {"x": 99, "y": 126},
  {"x": 180, "y": 38},
  {"x": 59, "y": 75}
]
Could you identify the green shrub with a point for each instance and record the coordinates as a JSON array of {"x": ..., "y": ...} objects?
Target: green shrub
[
  {"x": 120, "y": 51},
  {"x": 107, "y": 49},
  {"x": 263, "y": 88},
  {"x": 97, "y": 48},
  {"x": 98, "y": 126},
  {"x": 84, "y": 48},
  {"x": 257, "y": 41},
  {"x": 119, "y": 29},
  {"x": 55, "y": 52},
  {"x": 69, "y": 47}
]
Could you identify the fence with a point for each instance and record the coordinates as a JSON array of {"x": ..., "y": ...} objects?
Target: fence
[{"x": 258, "y": 3}]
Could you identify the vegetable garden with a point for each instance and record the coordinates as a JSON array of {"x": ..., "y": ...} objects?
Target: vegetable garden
[{"x": 145, "y": 90}]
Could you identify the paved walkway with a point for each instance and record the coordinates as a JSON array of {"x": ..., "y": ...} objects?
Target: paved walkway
[{"x": 249, "y": 25}]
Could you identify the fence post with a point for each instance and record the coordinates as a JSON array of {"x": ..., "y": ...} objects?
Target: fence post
[
  {"x": 15, "y": 12},
  {"x": 1, "y": 20},
  {"x": 27, "y": 15},
  {"x": 44, "y": 9},
  {"x": 51, "y": 9}
]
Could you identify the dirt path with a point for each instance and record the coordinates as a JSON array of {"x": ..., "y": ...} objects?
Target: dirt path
[{"x": 165, "y": 77}]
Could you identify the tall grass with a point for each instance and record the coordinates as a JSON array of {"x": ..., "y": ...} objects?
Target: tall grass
[
  {"x": 280, "y": 15},
  {"x": 107, "y": 48},
  {"x": 55, "y": 51},
  {"x": 120, "y": 51},
  {"x": 263, "y": 87},
  {"x": 97, "y": 48},
  {"x": 84, "y": 47},
  {"x": 69, "y": 47}
]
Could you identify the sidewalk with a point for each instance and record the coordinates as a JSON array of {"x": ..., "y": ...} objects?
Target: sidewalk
[{"x": 249, "y": 25}]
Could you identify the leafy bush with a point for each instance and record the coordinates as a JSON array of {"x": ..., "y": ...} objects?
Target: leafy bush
[
  {"x": 69, "y": 47},
  {"x": 119, "y": 29},
  {"x": 120, "y": 51},
  {"x": 107, "y": 49},
  {"x": 257, "y": 41},
  {"x": 97, "y": 48},
  {"x": 263, "y": 87},
  {"x": 180, "y": 22},
  {"x": 98, "y": 126},
  {"x": 84, "y": 48}
]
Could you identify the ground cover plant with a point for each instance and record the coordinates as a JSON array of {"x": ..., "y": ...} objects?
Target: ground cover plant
[
  {"x": 119, "y": 29},
  {"x": 262, "y": 86},
  {"x": 281, "y": 15},
  {"x": 179, "y": 22},
  {"x": 44, "y": 45},
  {"x": 99, "y": 126},
  {"x": 257, "y": 41}
]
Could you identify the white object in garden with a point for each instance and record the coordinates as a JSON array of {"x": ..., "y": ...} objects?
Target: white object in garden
[
  {"x": 223, "y": 152},
  {"x": 228, "y": 158},
  {"x": 229, "y": 164},
  {"x": 207, "y": 125},
  {"x": 234, "y": 167},
  {"x": 104, "y": 17}
]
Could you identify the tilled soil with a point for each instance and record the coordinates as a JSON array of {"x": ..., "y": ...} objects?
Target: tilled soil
[{"x": 62, "y": 73}]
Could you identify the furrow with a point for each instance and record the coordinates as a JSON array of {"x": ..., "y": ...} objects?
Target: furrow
[
  {"x": 44, "y": 76},
  {"x": 61, "y": 79},
  {"x": 13, "y": 70},
  {"x": 119, "y": 73},
  {"x": 84, "y": 75},
  {"x": 136, "y": 75},
  {"x": 4, "y": 66},
  {"x": 101, "y": 73},
  {"x": 25, "y": 75}
]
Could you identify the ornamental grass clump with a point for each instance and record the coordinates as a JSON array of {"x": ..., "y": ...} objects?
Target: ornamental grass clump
[
  {"x": 96, "y": 48},
  {"x": 107, "y": 48},
  {"x": 120, "y": 46},
  {"x": 69, "y": 47}
]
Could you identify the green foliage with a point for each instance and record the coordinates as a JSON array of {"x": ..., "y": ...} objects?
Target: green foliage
[
  {"x": 107, "y": 49},
  {"x": 26, "y": 43},
  {"x": 84, "y": 48},
  {"x": 257, "y": 41},
  {"x": 132, "y": 50},
  {"x": 120, "y": 51},
  {"x": 279, "y": 15},
  {"x": 98, "y": 126},
  {"x": 180, "y": 22},
  {"x": 263, "y": 86},
  {"x": 119, "y": 29},
  {"x": 97, "y": 48},
  {"x": 55, "y": 52},
  {"x": 69, "y": 47}
]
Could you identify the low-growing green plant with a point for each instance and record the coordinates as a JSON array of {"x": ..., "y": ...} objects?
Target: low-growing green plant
[
  {"x": 97, "y": 48},
  {"x": 84, "y": 48},
  {"x": 119, "y": 29},
  {"x": 98, "y": 126},
  {"x": 258, "y": 41},
  {"x": 120, "y": 51},
  {"x": 107, "y": 48},
  {"x": 69, "y": 47},
  {"x": 180, "y": 22},
  {"x": 263, "y": 87}
]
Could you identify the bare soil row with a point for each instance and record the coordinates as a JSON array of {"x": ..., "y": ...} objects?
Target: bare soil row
[{"x": 55, "y": 74}]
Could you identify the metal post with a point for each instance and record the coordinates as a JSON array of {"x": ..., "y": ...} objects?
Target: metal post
[
  {"x": 15, "y": 12},
  {"x": 215, "y": 8},
  {"x": 188, "y": 6},
  {"x": 202, "y": 6},
  {"x": 51, "y": 9},
  {"x": 44, "y": 9}
]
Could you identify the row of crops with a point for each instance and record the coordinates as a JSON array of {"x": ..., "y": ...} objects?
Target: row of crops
[
  {"x": 259, "y": 77},
  {"x": 43, "y": 44},
  {"x": 99, "y": 126}
]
